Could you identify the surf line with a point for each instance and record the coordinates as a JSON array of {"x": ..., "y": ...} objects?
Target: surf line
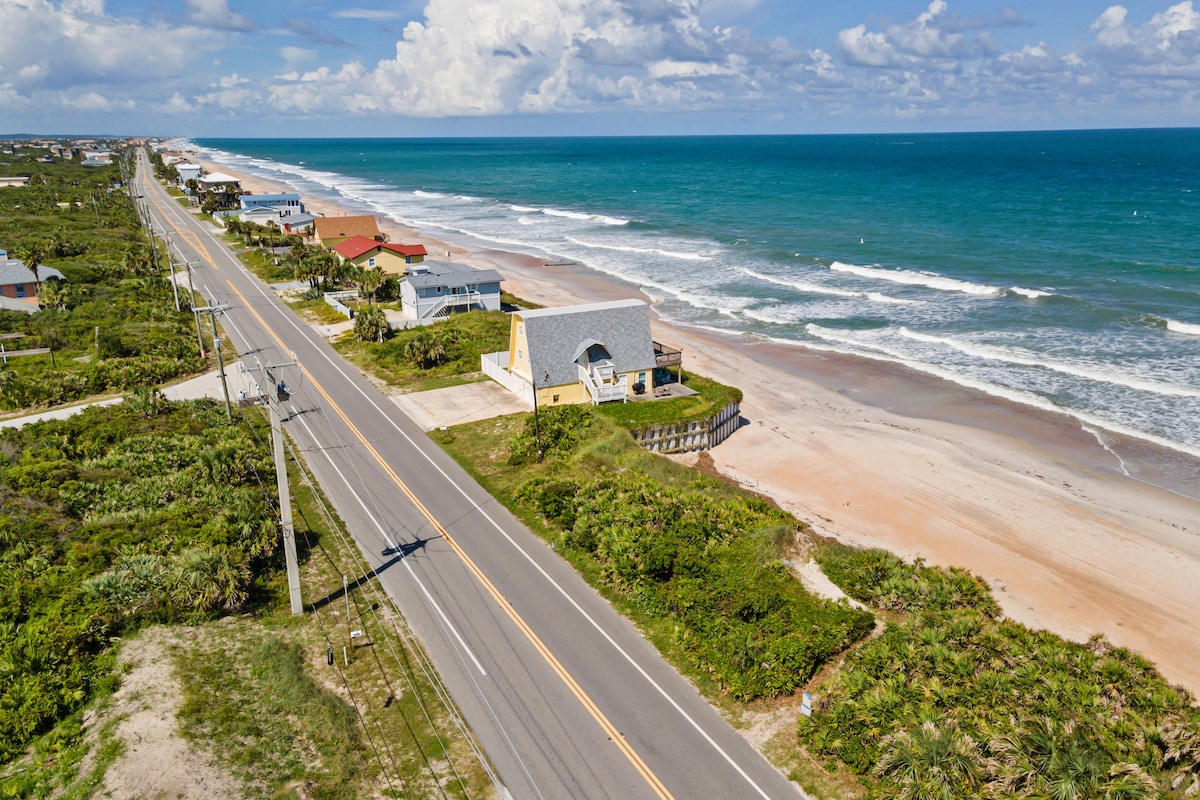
[{"x": 589, "y": 705}]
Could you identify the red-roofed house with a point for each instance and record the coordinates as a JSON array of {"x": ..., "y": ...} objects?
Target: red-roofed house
[{"x": 393, "y": 259}]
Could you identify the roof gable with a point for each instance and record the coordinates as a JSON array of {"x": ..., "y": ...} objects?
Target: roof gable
[
  {"x": 358, "y": 246},
  {"x": 355, "y": 246}
]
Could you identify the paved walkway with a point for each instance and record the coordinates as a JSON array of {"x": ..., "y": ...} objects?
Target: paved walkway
[{"x": 207, "y": 385}]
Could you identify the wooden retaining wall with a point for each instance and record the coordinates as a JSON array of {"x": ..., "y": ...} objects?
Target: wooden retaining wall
[{"x": 684, "y": 437}]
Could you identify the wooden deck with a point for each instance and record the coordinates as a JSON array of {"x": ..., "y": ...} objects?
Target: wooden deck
[{"x": 667, "y": 356}]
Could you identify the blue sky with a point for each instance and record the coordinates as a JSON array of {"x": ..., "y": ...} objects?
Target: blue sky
[{"x": 565, "y": 67}]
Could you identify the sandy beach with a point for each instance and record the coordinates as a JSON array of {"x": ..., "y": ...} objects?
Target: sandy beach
[{"x": 877, "y": 456}]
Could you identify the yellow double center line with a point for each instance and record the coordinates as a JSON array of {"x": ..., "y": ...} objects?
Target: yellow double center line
[
  {"x": 589, "y": 705},
  {"x": 189, "y": 236}
]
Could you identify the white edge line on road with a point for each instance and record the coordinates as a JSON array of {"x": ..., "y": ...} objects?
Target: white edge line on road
[{"x": 392, "y": 542}]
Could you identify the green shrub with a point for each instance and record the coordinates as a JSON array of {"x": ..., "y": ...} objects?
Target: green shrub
[
  {"x": 561, "y": 428},
  {"x": 683, "y": 553},
  {"x": 885, "y": 581}
]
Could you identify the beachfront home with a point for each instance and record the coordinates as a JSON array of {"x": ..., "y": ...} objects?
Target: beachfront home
[
  {"x": 220, "y": 189},
  {"x": 433, "y": 290},
  {"x": 187, "y": 171},
  {"x": 332, "y": 231},
  {"x": 14, "y": 180},
  {"x": 301, "y": 223},
  {"x": 260, "y": 215},
  {"x": 590, "y": 353},
  {"x": 393, "y": 259},
  {"x": 219, "y": 182},
  {"x": 287, "y": 203}
]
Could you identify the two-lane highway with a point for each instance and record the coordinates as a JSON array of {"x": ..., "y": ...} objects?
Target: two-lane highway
[{"x": 566, "y": 698}]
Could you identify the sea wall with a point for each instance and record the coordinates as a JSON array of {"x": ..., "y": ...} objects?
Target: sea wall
[{"x": 685, "y": 437}]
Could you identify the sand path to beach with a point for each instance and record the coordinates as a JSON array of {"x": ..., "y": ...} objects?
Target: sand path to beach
[{"x": 1066, "y": 546}]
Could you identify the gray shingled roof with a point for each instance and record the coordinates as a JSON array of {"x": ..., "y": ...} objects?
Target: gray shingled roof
[
  {"x": 13, "y": 270},
  {"x": 452, "y": 276},
  {"x": 557, "y": 336}
]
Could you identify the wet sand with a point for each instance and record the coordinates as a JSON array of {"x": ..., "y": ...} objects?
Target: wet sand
[{"x": 877, "y": 455}]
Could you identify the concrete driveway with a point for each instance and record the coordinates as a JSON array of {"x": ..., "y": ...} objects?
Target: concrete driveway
[{"x": 455, "y": 405}]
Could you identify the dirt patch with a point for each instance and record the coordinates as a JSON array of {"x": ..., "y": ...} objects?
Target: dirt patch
[{"x": 157, "y": 762}]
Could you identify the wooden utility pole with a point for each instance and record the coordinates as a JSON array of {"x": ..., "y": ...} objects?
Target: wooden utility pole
[
  {"x": 212, "y": 312},
  {"x": 275, "y": 396}
]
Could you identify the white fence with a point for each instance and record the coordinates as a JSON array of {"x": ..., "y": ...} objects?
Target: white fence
[
  {"x": 495, "y": 366},
  {"x": 335, "y": 299}
]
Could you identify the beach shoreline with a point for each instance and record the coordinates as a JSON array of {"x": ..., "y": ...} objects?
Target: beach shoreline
[{"x": 877, "y": 455}]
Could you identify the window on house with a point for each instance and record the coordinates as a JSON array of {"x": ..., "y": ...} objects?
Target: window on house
[
  {"x": 371, "y": 262},
  {"x": 20, "y": 287},
  {"x": 520, "y": 329},
  {"x": 520, "y": 355}
]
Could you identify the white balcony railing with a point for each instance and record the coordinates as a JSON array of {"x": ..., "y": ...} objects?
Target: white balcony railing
[{"x": 602, "y": 385}]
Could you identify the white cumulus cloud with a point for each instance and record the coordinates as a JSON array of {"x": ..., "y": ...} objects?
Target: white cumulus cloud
[{"x": 216, "y": 14}]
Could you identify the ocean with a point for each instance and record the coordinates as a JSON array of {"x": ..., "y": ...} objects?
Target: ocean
[{"x": 1057, "y": 270}]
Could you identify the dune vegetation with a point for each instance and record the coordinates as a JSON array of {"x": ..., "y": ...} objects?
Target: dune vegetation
[{"x": 948, "y": 699}]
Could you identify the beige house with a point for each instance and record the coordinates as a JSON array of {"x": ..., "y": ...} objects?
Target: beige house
[
  {"x": 592, "y": 353},
  {"x": 332, "y": 231},
  {"x": 393, "y": 259}
]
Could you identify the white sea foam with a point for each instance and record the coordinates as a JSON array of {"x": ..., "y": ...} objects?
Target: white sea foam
[
  {"x": 432, "y": 195},
  {"x": 556, "y": 212},
  {"x": 1032, "y": 294},
  {"x": 880, "y": 352},
  {"x": 620, "y": 248},
  {"x": 771, "y": 315},
  {"x": 816, "y": 288},
  {"x": 524, "y": 220},
  {"x": 876, "y": 297},
  {"x": 1183, "y": 327},
  {"x": 910, "y": 278},
  {"x": 1104, "y": 441},
  {"x": 610, "y": 220},
  {"x": 524, "y": 209},
  {"x": 1025, "y": 359}
]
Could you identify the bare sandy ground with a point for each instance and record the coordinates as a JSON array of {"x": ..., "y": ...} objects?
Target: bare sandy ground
[
  {"x": 157, "y": 761},
  {"x": 1066, "y": 545}
]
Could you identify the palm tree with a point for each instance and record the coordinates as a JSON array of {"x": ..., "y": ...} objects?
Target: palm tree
[
  {"x": 34, "y": 253},
  {"x": 1061, "y": 761},
  {"x": 932, "y": 762},
  {"x": 204, "y": 578},
  {"x": 325, "y": 264},
  {"x": 425, "y": 349},
  {"x": 370, "y": 280},
  {"x": 371, "y": 325},
  {"x": 53, "y": 294}
]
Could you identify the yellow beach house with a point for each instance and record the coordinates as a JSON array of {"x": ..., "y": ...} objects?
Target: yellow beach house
[
  {"x": 393, "y": 259},
  {"x": 592, "y": 353}
]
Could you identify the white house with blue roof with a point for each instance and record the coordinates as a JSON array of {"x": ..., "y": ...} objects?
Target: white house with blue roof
[{"x": 432, "y": 290}]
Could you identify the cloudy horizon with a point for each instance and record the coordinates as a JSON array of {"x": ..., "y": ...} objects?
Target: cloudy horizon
[{"x": 567, "y": 67}]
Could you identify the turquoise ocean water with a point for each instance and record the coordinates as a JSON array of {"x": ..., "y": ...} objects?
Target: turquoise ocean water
[{"x": 1058, "y": 270}]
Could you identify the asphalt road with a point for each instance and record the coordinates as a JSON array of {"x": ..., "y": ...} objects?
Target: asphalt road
[{"x": 566, "y": 698}]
